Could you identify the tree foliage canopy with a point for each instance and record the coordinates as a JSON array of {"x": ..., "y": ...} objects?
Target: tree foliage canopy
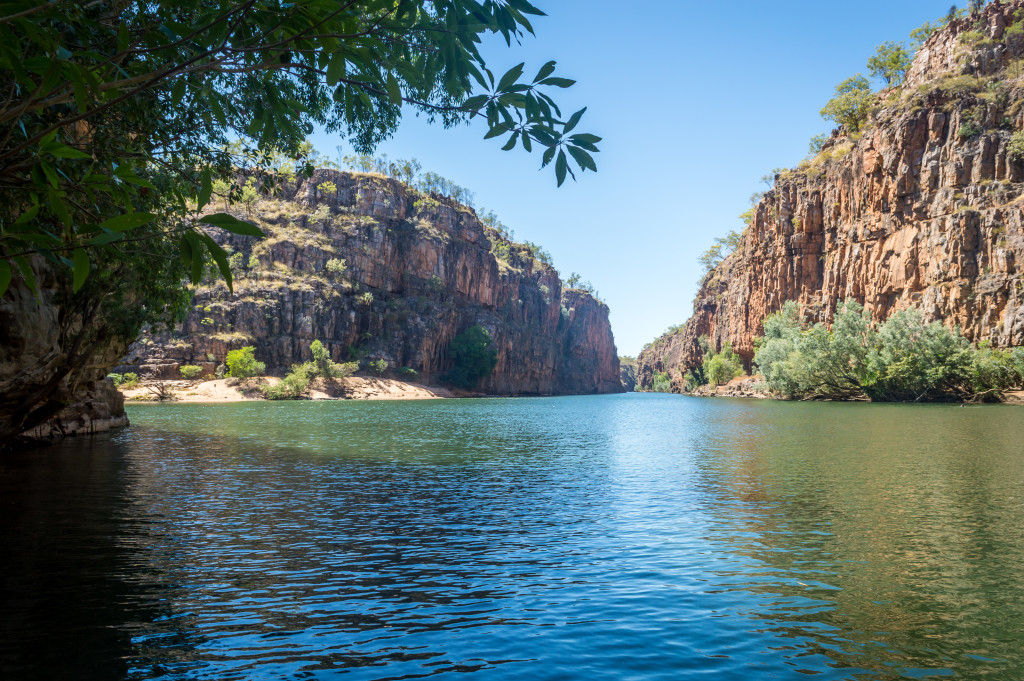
[
  {"x": 119, "y": 116},
  {"x": 473, "y": 356},
  {"x": 890, "y": 63},
  {"x": 851, "y": 104},
  {"x": 901, "y": 359}
]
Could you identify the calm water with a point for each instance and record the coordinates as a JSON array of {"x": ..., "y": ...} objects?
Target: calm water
[{"x": 619, "y": 537}]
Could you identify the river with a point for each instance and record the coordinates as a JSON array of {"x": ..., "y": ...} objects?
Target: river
[{"x": 639, "y": 537}]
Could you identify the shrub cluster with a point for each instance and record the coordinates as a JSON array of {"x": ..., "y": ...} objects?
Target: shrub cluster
[
  {"x": 190, "y": 371},
  {"x": 901, "y": 360},
  {"x": 296, "y": 383},
  {"x": 242, "y": 363},
  {"x": 720, "y": 367},
  {"x": 661, "y": 382}
]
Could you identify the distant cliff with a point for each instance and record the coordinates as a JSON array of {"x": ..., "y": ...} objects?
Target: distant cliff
[
  {"x": 379, "y": 271},
  {"x": 923, "y": 209}
]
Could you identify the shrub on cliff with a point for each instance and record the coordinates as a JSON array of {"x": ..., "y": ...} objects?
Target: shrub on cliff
[
  {"x": 473, "y": 356},
  {"x": 1015, "y": 149},
  {"x": 242, "y": 363},
  {"x": 852, "y": 103},
  {"x": 890, "y": 63},
  {"x": 903, "y": 359},
  {"x": 190, "y": 371}
]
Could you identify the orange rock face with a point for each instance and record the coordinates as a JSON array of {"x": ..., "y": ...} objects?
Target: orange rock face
[
  {"x": 924, "y": 210},
  {"x": 418, "y": 271}
]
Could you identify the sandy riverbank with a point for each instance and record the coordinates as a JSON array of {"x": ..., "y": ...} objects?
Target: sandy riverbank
[{"x": 352, "y": 388}]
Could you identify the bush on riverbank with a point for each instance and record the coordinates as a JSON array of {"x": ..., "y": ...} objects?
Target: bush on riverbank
[
  {"x": 901, "y": 360},
  {"x": 242, "y": 363},
  {"x": 297, "y": 382}
]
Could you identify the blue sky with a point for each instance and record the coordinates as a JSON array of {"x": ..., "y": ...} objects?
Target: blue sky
[{"x": 695, "y": 101}]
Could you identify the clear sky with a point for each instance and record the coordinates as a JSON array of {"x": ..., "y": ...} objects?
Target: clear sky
[{"x": 696, "y": 101}]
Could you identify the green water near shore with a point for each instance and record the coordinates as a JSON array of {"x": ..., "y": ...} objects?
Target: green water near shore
[{"x": 624, "y": 536}]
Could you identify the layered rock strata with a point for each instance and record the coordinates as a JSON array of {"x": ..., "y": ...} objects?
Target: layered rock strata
[
  {"x": 922, "y": 209},
  {"x": 378, "y": 271}
]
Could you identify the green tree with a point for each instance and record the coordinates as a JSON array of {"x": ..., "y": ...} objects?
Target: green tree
[
  {"x": 723, "y": 246},
  {"x": 242, "y": 363},
  {"x": 118, "y": 118},
  {"x": 722, "y": 367},
  {"x": 902, "y": 359},
  {"x": 851, "y": 104},
  {"x": 190, "y": 371},
  {"x": 473, "y": 357},
  {"x": 890, "y": 63},
  {"x": 817, "y": 143}
]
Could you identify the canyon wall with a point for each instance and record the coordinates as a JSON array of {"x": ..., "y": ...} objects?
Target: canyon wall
[
  {"x": 922, "y": 208},
  {"x": 378, "y": 271}
]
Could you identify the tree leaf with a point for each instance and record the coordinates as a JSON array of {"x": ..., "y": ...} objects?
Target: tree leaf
[
  {"x": 232, "y": 224},
  {"x": 123, "y": 223},
  {"x": 81, "y": 268},
  {"x": 196, "y": 252},
  {"x": 205, "y": 188},
  {"x": 5, "y": 276},
  {"x": 178, "y": 91},
  {"x": 511, "y": 144},
  {"x": 558, "y": 82},
  {"x": 499, "y": 129},
  {"x": 548, "y": 155},
  {"x": 64, "y": 151},
  {"x": 561, "y": 166},
  {"x": 545, "y": 71},
  {"x": 574, "y": 120},
  {"x": 335, "y": 69},
  {"x": 105, "y": 238},
  {"x": 394, "y": 90},
  {"x": 219, "y": 257},
  {"x": 27, "y": 215},
  {"x": 510, "y": 77},
  {"x": 26, "y": 272},
  {"x": 582, "y": 158}
]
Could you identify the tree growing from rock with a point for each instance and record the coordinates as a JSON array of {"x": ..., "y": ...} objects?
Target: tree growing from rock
[
  {"x": 890, "y": 63},
  {"x": 852, "y": 103}
]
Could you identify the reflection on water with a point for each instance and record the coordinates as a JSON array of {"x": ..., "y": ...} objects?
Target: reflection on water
[{"x": 635, "y": 536}]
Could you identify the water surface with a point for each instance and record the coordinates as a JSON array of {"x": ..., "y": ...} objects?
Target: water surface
[{"x": 621, "y": 537}]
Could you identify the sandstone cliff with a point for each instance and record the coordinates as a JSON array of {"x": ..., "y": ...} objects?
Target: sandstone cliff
[
  {"x": 53, "y": 364},
  {"x": 378, "y": 271},
  {"x": 923, "y": 208}
]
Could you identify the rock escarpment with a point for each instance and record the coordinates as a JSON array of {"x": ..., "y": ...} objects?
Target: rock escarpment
[
  {"x": 378, "y": 271},
  {"x": 52, "y": 369},
  {"x": 924, "y": 208}
]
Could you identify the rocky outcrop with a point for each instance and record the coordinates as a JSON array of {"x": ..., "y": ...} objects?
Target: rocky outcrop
[
  {"x": 923, "y": 209},
  {"x": 378, "y": 271},
  {"x": 52, "y": 365},
  {"x": 627, "y": 373}
]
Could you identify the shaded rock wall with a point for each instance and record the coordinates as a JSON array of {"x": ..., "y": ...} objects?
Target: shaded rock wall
[
  {"x": 51, "y": 371},
  {"x": 418, "y": 271},
  {"x": 919, "y": 211}
]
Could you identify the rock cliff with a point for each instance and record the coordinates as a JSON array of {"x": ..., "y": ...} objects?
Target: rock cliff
[
  {"x": 923, "y": 208},
  {"x": 379, "y": 271},
  {"x": 52, "y": 368}
]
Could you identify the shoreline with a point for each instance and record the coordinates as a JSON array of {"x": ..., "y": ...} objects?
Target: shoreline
[
  {"x": 747, "y": 388},
  {"x": 220, "y": 391}
]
